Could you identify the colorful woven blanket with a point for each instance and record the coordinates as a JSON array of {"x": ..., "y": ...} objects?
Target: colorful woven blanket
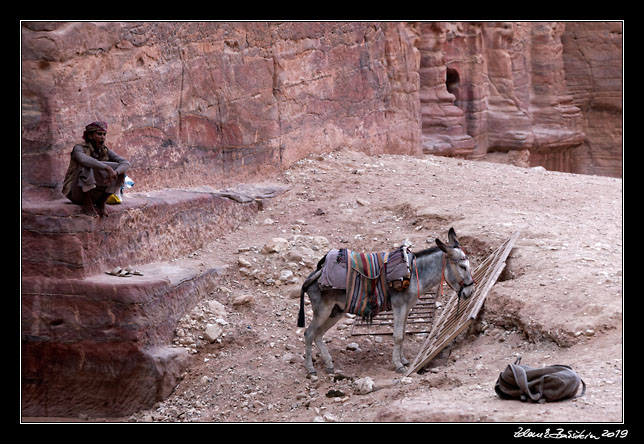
[
  {"x": 366, "y": 277},
  {"x": 367, "y": 284}
]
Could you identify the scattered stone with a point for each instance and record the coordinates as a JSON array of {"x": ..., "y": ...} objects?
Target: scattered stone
[
  {"x": 328, "y": 417},
  {"x": 293, "y": 291},
  {"x": 217, "y": 309},
  {"x": 333, "y": 393},
  {"x": 212, "y": 333},
  {"x": 242, "y": 299},
  {"x": 364, "y": 385},
  {"x": 295, "y": 255},
  {"x": 275, "y": 245},
  {"x": 285, "y": 275},
  {"x": 243, "y": 262}
]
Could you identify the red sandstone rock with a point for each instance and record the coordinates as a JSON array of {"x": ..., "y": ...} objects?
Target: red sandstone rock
[
  {"x": 510, "y": 81},
  {"x": 99, "y": 345},
  {"x": 59, "y": 241},
  {"x": 194, "y": 103},
  {"x": 593, "y": 55},
  {"x": 202, "y": 103}
]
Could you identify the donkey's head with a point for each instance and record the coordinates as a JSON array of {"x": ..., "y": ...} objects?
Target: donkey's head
[{"x": 457, "y": 267}]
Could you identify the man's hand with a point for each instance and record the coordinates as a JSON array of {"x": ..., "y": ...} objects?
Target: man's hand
[{"x": 111, "y": 173}]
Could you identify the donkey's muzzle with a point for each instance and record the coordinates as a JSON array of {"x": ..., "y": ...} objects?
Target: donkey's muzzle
[{"x": 466, "y": 290}]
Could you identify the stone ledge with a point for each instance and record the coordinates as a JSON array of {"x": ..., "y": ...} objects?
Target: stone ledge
[
  {"x": 100, "y": 345},
  {"x": 59, "y": 241}
]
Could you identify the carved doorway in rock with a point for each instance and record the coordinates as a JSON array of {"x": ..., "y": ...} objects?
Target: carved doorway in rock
[{"x": 452, "y": 82}]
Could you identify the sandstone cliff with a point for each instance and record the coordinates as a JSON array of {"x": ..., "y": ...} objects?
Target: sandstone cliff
[
  {"x": 593, "y": 65},
  {"x": 549, "y": 90},
  {"x": 195, "y": 103},
  {"x": 215, "y": 102}
]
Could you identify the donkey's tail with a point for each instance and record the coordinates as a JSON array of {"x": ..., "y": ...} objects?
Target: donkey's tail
[
  {"x": 307, "y": 282},
  {"x": 300, "y": 315}
]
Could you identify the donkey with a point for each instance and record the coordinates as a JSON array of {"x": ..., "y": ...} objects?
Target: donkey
[{"x": 428, "y": 267}]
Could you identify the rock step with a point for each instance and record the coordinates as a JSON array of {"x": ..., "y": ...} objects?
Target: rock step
[
  {"x": 99, "y": 345},
  {"x": 59, "y": 241}
]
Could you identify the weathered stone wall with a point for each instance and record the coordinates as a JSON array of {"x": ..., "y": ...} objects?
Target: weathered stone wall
[
  {"x": 213, "y": 103},
  {"x": 549, "y": 90},
  {"x": 592, "y": 54}
]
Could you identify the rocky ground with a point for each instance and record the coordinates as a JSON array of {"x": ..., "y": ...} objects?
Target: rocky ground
[{"x": 558, "y": 302}]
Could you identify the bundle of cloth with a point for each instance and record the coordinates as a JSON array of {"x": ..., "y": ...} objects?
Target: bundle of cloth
[{"x": 367, "y": 278}]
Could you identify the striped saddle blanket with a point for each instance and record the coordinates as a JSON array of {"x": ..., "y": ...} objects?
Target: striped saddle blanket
[{"x": 366, "y": 278}]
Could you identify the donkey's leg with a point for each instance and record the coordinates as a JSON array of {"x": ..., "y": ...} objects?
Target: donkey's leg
[
  {"x": 404, "y": 360},
  {"x": 334, "y": 316},
  {"x": 308, "y": 356},
  {"x": 400, "y": 312},
  {"x": 309, "y": 334},
  {"x": 322, "y": 320}
]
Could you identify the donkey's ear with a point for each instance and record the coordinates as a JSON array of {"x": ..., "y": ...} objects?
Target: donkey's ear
[
  {"x": 441, "y": 245},
  {"x": 453, "y": 240}
]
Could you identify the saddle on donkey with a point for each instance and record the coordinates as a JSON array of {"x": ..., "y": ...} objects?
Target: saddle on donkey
[{"x": 366, "y": 277}]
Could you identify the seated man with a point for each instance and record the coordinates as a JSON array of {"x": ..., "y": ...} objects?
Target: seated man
[{"x": 95, "y": 172}]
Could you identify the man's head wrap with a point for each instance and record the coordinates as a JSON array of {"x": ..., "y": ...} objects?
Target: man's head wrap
[
  {"x": 101, "y": 152},
  {"x": 96, "y": 126}
]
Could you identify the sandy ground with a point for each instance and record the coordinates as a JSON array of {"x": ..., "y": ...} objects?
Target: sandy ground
[{"x": 559, "y": 301}]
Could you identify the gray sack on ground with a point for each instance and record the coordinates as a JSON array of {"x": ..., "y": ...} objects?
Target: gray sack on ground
[{"x": 550, "y": 383}]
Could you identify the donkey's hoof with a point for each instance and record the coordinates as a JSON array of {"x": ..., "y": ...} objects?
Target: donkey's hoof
[
  {"x": 329, "y": 370},
  {"x": 402, "y": 369}
]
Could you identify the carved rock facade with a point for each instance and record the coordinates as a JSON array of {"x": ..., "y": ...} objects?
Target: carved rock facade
[{"x": 551, "y": 90}]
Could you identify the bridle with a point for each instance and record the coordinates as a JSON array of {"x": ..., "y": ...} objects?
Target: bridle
[{"x": 461, "y": 283}]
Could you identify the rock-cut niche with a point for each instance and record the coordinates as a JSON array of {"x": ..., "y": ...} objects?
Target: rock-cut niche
[{"x": 452, "y": 81}]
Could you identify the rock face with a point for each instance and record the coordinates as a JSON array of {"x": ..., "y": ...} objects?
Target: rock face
[
  {"x": 98, "y": 344},
  {"x": 196, "y": 103},
  {"x": 548, "y": 88},
  {"x": 593, "y": 56},
  {"x": 203, "y": 103}
]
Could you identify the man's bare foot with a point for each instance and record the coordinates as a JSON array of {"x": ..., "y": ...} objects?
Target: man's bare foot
[
  {"x": 100, "y": 206},
  {"x": 89, "y": 209}
]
